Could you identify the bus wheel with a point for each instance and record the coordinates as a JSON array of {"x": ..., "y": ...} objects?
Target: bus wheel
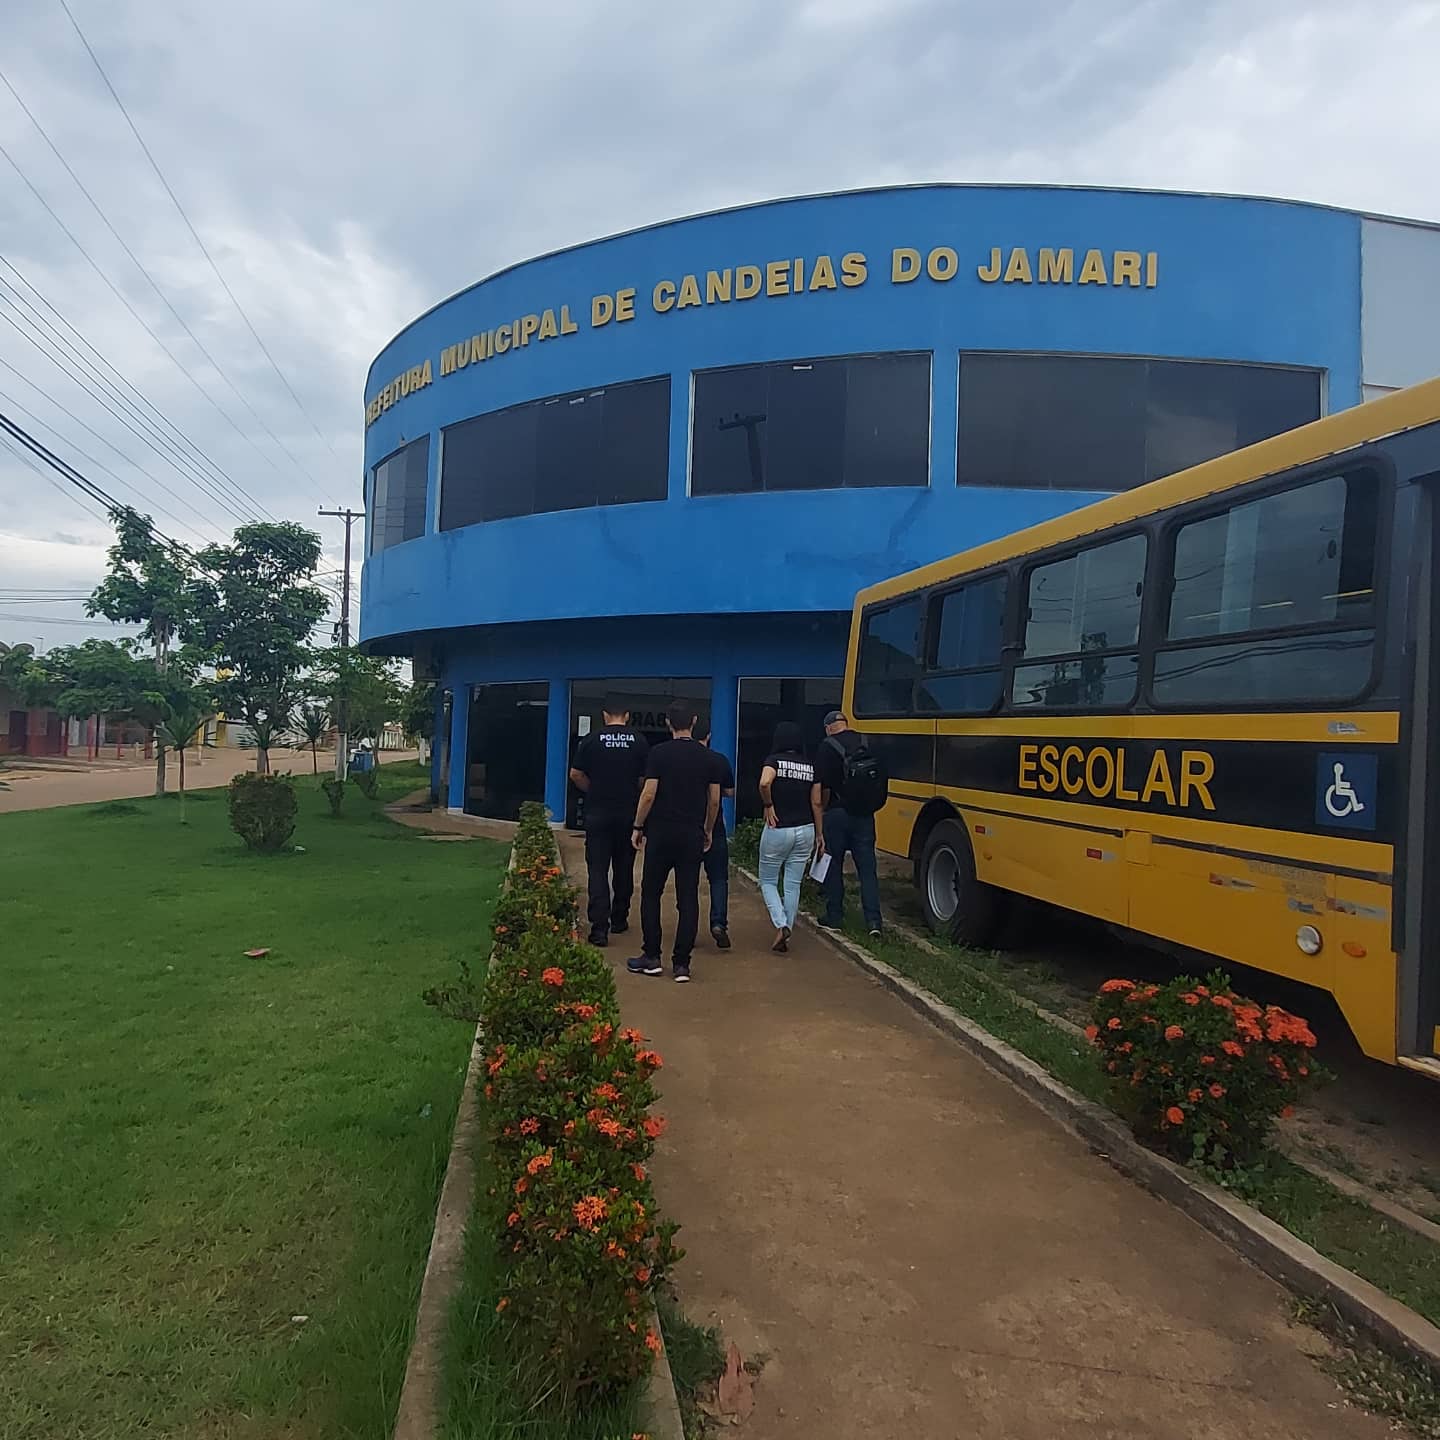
[{"x": 957, "y": 905}]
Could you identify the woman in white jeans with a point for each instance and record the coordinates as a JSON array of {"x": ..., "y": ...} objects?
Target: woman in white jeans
[{"x": 793, "y": 830}]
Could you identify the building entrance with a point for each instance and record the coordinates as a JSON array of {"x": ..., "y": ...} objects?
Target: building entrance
[
  {"x": 505, "y": 759},
  {"x": 763, "y": 705},
  {"x": 647, "y": 699}
]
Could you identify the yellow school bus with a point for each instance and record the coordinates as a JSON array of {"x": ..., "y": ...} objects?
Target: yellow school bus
[{"x": 1205, "y": 711}]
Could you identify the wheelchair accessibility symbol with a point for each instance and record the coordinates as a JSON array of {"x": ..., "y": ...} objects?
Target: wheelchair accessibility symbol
[{"x": 1345, "y": 791}]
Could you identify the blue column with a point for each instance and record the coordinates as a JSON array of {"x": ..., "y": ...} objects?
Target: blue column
[
  {"x": 724, "y": 719},
  {"x": 459, "y": 745},
  {"x": 557, "y": 748},
  {"x": 435, "y": 744}
]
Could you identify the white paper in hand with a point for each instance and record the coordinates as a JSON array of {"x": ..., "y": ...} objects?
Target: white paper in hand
[{"x": 820, "y": 868}]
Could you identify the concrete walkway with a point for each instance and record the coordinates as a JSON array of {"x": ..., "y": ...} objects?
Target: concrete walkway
[{"x": 917, "y": 1250}]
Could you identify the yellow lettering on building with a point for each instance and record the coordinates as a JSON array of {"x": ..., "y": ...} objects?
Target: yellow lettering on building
[
  {"x": 942, "y": 263},
  {"x": 797, "y": 279},
  {"x": 662, "y": 297},
  {"x": 1092, "y": 272},
  {"x": 777, "y": 278},
  {"x": 822, "y": 274},
  {"x": 689, "y": 293},
  {"x": 624, "y": 305},
  {"x": 904, "y": 265},
  {"x": 1125, "y": 267},
  {"x": 567, "y": 325},
  {"x": 502, "y": 333},
  {"x": 1018, "y": 268},
  {"x": 1152, "y": 269},
  {"x": 1057, "y": 267},
  {"x": 548, "y": 328},
  {"x": 853, "y": 269},
  {"x": 717, "y": 286},
  {"x": 990, "y": 271},
  {"x": 747, "y": 281},
  {"x": 602, "y": 311}
]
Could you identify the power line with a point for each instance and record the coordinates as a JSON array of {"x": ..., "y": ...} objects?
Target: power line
[
  {"x": 25, "y": 459},
  {"x": 145, "y": 325},
  {"x": 195, "y": 234},
  {"x": 65, "y": 365},
  {"x": 246, "y": 500}
]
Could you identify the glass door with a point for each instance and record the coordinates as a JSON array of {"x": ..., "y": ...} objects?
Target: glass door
[
  {"x": 763, "y": 705},
  {"x": 505, "y": 759}
]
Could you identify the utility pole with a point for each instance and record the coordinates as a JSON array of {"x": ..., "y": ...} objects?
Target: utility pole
[{"x": 341, "y": 739}]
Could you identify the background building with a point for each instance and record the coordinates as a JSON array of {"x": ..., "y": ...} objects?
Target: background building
[{"x": 664, "y": 462}]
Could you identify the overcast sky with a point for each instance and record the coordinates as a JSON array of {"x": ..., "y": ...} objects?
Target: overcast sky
[{"x": 347, "y": 165}]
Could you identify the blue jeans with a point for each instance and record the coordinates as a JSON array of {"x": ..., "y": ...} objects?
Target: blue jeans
[
  {"x": 855, "y": 833},
  {"x": 784, "y": 849},
  {"x": 717, "y": 873}
]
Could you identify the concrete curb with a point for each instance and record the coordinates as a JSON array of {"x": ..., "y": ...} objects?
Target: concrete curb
[{"x": 1267, "y": 1245}]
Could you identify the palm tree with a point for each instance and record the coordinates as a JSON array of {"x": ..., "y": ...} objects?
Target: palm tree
[
  {"x": 314, "y": 726},
  {"x": 184, "y": 729}
]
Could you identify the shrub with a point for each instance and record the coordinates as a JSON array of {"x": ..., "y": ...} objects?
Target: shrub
[
  {"x": 334, "y": 788},
  {"x": 1200, "y": 1071},
  {"x": 262, "y": 809},
  {"x": 547, "y": 906},
  {"x": 368, "y": 782},
  {"x": 525, "y": 1004}
]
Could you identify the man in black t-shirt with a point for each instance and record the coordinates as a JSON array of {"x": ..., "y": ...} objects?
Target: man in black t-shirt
[
  {"x": 717, "y": 857},
  {"x": 609, "y": 766},
  {"x": 844, "y": 829},
  {"x": 673, "y": 821}
]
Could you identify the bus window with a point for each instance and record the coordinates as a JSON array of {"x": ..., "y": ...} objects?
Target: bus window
[
  {"x": 889, "y": 661},
  {"x": 1082, "y": 630},
  {"x": 1301, "y": 561},
  {"x": 968, "y": 625}
]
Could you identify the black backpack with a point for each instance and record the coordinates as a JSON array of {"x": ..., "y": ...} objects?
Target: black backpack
[{"x": 866, "y": 786}]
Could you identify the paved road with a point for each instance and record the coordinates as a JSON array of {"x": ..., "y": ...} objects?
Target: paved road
[
  {"x": 921, "y": 1252},
  {"x": 45, "y": 785}
]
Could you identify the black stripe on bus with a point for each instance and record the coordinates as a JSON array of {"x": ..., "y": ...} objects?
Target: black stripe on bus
[{"x": 1274, "y": 785}]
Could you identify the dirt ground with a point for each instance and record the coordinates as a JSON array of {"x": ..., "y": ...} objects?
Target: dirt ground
[
  {"x": 40, "y": 784},
  {"x": 914, "y": 1249}
]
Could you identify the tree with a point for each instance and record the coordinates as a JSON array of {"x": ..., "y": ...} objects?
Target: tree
[
  {"x": 99, "y": 677},
  {"x": 253, "y": 607},
  {"x": 146, "y": 584},
  {"x": 314, "y": 726},
  {"x": 366, "y": 688},
  {"x": 187, "y": 709}
]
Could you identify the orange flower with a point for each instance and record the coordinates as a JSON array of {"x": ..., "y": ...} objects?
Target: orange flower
[
  {"x": 1196, "y": 1095},
  {"x": 655, "y": 1126},
  {"x": 529, "y": 1125},
  {"x": 1223, "y": 1001},
  {"x": 642, "y": 1275},
  {"x": 521, "y": 1185},
  {"x": 1111, "y": 986},
  {"x": 540, "y": 1162},
  {"x": 1190, "y": 999},
  {"x": 614, "y": 1251},
  {"x": 1174, "y": 1032},
  {"x": 489, "y": 1091},
  {"x": 1113, "y": 1023},
  {"x": 606, "y": 1092},
  {"x": 1126, "y": 1048},
  {"x": 639, "y": 1172},
  {"x": 609, "y": 1127},
  {"x": 1175, "y": 1115},
  {"x": 569, "y": 1127},
  {"x": 1217, "y": 1089},
  {"x": 1207, "y": 1059},
  {"x": 601, "y": 1034},
  {"x": 1232, "y": 1047},
  {"x": 652, "y": 1342},
  {"x": 502, "y": 929},
  {"x": 633, "y": 1036},
  {"x": 590, "y": 1211},
  {"x": 650, "y": 1059},
  {"x": 1092, "y": 1033},
  {"x": 512, "y": 1219},
  {"x": 552, "y": 975}
]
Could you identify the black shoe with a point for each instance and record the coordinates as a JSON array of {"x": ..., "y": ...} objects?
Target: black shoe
[
  {"x": 619, "y": 927},
  {"x": 644, "y": 965},
  {"x": 599, "y": 939},
  {"x": 682, "y": 972},
  {"x": 826, "y": 923},
  {"x": 875, "y": 932},
  {"x": 721, "y": 936}
]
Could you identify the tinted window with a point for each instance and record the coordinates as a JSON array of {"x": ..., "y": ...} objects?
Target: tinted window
[
  {"x": 1301, "y": 560},
  {"x": 1079, "y": 609},
  {"x": 861, "y": 420},
  {"x": 967, "y": 629},
  {"x": 606, "y": 446},
  {"x": 1089, "y": 601},
  {"x": 889, "y": 659},
  {"x": 1070, "y": 422},
  {"x": 398, "y": 495},
  {"x": 1303, "y": 557}
]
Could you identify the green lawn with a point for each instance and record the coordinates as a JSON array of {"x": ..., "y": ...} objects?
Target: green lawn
[{"x": 199, "y": 1148}]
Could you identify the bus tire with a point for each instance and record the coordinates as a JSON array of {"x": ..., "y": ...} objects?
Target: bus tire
[{"x": 957, "y": 905}]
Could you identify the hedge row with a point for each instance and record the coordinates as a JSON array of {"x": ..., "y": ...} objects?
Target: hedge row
[{"x": 567, "y": 1114}]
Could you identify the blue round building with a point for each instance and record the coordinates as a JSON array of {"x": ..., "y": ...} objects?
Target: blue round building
[{"x": 661, "y": 464}]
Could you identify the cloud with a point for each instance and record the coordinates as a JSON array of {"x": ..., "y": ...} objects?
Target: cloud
[{"x": 350, "y": 164}]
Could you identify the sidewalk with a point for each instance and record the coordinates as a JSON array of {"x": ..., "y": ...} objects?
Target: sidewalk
[{"x": 917, "y": 1250}]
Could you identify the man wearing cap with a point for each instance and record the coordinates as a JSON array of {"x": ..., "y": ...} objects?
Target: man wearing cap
[{"x": 854, "y": 785}]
